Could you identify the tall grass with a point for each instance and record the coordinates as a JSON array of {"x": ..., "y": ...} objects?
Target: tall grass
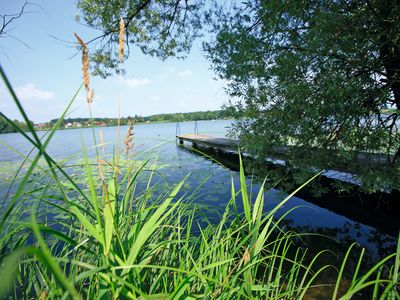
[{"x": 106, "y": 239}]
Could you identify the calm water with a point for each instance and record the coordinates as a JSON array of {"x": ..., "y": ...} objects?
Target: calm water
[{"x": 215, "y": 193}]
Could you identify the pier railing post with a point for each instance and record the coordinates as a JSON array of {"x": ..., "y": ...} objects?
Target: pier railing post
[{"x": 178, "y": 132}]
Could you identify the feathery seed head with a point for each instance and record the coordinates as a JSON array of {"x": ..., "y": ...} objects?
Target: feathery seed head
[
  {"x": 85, "y": 61},
  {"x": 90, "y": 96},
  {"x": 121, "y": 39},
  {"x": 129, "y": 138},
  {"x": 80, "y": 41}
]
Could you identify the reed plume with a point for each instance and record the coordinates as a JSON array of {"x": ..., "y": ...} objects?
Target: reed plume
[
  {"x": 121, "y": 39},
  {"x": 129, "y": 138},
  {"x": 90, "y": 96},
  {"x": 85, "y": 61}
]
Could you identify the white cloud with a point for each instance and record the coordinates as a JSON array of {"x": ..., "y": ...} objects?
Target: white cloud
[
  {"x": 185, "y": 73},
  {"x": 30, "y": 92},
  {"x": 135, "y": 82}
]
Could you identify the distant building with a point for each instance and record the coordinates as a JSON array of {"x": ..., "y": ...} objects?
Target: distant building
[
  {"x": 76, "y": 124},
  {"x": 40, "y": 126},
  {"x": 68, "y": 125}
]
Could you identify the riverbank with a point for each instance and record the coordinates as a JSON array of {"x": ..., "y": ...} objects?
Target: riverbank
[
  {"x": 70, "y": 123},
  {"x": 134, "y": 124}
]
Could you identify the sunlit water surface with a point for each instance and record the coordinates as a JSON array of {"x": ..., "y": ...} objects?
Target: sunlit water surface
[{"x": 158, "y": 140}]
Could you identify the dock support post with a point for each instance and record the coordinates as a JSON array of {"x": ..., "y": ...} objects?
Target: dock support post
[{"x": 180, "y": 141}]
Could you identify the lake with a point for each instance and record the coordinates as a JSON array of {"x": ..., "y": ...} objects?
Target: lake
[{"x": 176, "y": 162}]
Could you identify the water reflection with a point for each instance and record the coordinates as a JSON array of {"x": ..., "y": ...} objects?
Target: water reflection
[
  {"x": 339, "y": 231},
  {"x": 212, "y": 180}
]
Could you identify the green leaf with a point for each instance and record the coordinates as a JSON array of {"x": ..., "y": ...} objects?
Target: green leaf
[
  {"x": 91, "y": 229},
  {"x": 9, "y": 270},
  {"x": 181, "y": 288},
  {"x": 259, "y": 203},
  {"x": 47, "y": 258},
  {"x": 152, "y": 224},
  {"x": 91, "y": 185},
  {"x": 109, "y": 211},
  {"x": 243, "y": 188}
]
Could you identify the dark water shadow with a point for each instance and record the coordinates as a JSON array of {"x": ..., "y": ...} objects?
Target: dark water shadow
[{"x": 379, "y": 210}]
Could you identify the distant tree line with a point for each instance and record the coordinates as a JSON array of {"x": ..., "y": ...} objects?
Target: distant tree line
[
  {"x": 83, "y": 122},
  {"x": 173, "y": 117},
  {"x": 183, "y": 117},
  {"x": 5, "y": 127}
]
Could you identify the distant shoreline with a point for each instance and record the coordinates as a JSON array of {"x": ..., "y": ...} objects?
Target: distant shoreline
[
  {"x": 73, "y": 123},
  {"x": 134, "y": 124}
]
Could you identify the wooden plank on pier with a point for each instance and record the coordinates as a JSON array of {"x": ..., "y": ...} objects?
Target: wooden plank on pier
[
  {"x": 376, "y": 160},
  {"x": 218, "y": 143}
]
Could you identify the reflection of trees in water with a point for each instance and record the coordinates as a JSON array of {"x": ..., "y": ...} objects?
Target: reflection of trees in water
[
  {"x": 385, "y": 244},
  {"x": 377, "y": 244},
  {"x": 370, "y": 209},
  {"x": 338, "y": 239}
]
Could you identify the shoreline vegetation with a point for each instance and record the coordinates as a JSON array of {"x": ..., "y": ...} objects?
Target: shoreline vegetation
[
  {"x": 70, "y": 123},
  {"x": 87, "y": 122},
  {"x": 106, "y": 233},
  {"x": 99, "y": 235}
]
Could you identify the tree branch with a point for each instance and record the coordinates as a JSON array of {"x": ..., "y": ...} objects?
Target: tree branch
[
  {"x": 127, "y": 22},
  {"x": 8, "y": 19}
]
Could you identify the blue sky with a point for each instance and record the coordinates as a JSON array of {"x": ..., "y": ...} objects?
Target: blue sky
[{"x": 47, "y": 74}]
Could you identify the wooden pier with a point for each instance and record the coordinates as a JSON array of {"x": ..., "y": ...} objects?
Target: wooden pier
[
  {"x": 217, "y": 143},
  {"x": 344, "y": 203},
  {"x": 376, "y": 160}
]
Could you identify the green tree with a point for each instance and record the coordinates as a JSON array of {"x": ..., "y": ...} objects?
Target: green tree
[
  {"x": 319, "y": 75},
  {"x": 316, "y": 80},
  {"x": 157, "y": 27},
  {"x": 5, "y": 127}
]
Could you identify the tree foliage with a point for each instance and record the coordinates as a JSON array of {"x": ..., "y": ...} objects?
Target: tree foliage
[
  {"x": 317, "y": 81},
  {"x": 172, "y": 117},
  {"x": 323, "y": 76},
  {"x": 157, "y": 27},
  {"x": 5, "y": 127}
]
